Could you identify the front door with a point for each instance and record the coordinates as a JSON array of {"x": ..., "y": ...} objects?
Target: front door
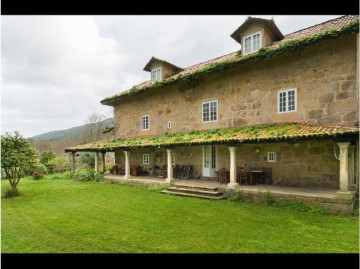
[{"x": 209, "y": 161}]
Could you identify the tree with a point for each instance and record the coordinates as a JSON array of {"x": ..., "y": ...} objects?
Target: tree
[
  {"x": 94, "y": 126},
  {"x": 17, "y": 153},
  {"x": 46, "y": 156}
]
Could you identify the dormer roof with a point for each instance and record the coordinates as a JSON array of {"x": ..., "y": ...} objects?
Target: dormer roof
[
  {"x": 153, "y": 60},
  {"x": 268, "y": 24}
]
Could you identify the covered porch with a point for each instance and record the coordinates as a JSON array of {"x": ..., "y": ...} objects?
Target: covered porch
[{"x": 306, "y": 160}]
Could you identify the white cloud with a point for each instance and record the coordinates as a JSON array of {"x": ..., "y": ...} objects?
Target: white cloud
[{"x": 56, "y": 69}]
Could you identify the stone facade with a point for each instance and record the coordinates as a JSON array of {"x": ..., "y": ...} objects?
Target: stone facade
[
  {"x": 324, "y": 75},
  {"x": 302, "y": 164},
  {"x": 325, "y": 78}
]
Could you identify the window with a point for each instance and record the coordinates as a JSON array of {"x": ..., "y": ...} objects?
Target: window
[
  {"x": 145, "y": 122},
  {"x": 173, "y": 158},
  {"x": 252, "y": 43},
  {"x": 155, "y": 74},
  {"x": 271, "y": 157},
  {"x": 169, "y": 125},
  {"x": 287, "y": 101},
  {"x": 146, "y": 158},
  {"x": 210, "y": 111}
]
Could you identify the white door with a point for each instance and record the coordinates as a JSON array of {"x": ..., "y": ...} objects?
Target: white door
[{"x": 209, "y": 161}]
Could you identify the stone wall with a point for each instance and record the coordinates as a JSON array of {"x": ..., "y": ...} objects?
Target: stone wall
[
  {"x": 324, "y": 75},
  {"x": 304, "y": 164}
]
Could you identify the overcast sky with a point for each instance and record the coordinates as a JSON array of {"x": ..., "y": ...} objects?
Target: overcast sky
[{"x": 56, "y": 69}]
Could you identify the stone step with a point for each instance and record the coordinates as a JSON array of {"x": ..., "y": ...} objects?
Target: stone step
[
  {"x": 196, "y": 191},
  {"x": 194, "y": 195},
  {"x": 195, "y": 187}
]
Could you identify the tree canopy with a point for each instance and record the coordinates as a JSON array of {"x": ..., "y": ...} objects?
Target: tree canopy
[{"x": 17, "y": 153}]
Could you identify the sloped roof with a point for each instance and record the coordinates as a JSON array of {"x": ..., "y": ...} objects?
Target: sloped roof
[
  {"x": 269, "y": 24},
  {"x": 153, "y": 59},
  {"x": 329, "y": 29},
  {"x": 245, "y": 134}
]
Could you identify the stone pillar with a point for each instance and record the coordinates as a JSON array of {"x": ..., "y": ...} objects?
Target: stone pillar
[
  {"x": 103, "y": 161},
  {"x": 233, "y": 184},
  {"x": 344, "y": 166},
  {"x": 127, "y": 165},
  {"x": 96, "y": 162},
  {"x": 351, "y": 169},
  {"x": 72, "y": 160},
  {"x": 169, "y": 178},
  {"x": 357, "y": 164}
]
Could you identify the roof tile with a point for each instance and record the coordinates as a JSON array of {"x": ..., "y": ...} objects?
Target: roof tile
[
  {"x": 307, "y": 32},
  {"x": 254, "y": 133}
]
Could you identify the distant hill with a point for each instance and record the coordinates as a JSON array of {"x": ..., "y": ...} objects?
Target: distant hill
[{"x": 68, "y": 133}]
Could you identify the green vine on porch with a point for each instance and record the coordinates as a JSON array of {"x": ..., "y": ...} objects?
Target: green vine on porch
[{"x": 265, "y": 132}]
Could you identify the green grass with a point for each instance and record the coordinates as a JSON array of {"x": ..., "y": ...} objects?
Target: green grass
[{"x": 65, "y": 216}]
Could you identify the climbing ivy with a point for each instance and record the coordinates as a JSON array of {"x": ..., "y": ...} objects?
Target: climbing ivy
[{"x": 254, "y": 133}]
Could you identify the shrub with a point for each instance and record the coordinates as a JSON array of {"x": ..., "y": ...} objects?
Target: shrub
[
  {"x": 39, "y": 171},
  {"x": 236, "y": 196},
  {"x": 65, "y": 175},
  {"x": 87, "y": 175},
  {"x": 9, "y": 193},
  {"x": 46, "y": 156},
  {"x": 58, "y": 165},
  {"x": 87, "y": 158},
  {"x": 108, "y": 167},
  {"x": 269, "y": 199}
]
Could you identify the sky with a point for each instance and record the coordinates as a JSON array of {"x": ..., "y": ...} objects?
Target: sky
[{"x": 55, "y": 70}]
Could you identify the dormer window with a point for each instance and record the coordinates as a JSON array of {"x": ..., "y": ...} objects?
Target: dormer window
[
  {"x": 156, "y": 74},
  {"x": 256, "y": 33},
  {"x": 160, "y": 69},
  {"x": 252, "y": 43}
]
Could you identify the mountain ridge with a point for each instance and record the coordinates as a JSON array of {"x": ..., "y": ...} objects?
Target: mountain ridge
[{"x": 67, "y": 133}]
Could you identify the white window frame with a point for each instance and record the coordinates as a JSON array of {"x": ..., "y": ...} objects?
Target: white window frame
[
  {"x": 155, "y": 70},
  {"x": 142, "y": 117},
  {"x": 271, "y": 159},
  {"x": 146, "y": 158},
  {"x": 287, "y": 101},
  {"x": 251, "y": 43},
  {"x": 169, "y": 125},
  {"x": 217, "y": 111}
]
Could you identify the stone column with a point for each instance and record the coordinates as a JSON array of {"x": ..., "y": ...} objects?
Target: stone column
[
  {"x": 352, "y": 168},
  {"x": 96, "y": 162},
  {"x": 127, "y": 165},
  {"x": 357, "y": 164},
  {"x": 72, "y": 160},
  {"x": 103, "y": 161},
  {"x": 233, "y": 184},
  {"x": 344, "y": 166},
  {"x": 169, "y": 178}
]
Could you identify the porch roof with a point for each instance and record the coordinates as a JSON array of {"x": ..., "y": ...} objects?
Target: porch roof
[{"x": 245, "y": 134}]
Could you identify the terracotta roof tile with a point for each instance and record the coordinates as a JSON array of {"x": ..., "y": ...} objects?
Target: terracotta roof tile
[
  {"x": 307, "y": 32},
  {"x": 321, "y": 27}
]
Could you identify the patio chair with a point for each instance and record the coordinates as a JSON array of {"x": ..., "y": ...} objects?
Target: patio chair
[
  {"x": 267, "y": 175},
  {"x": 185, "y": 174},
  {"x": 223, "y": 176},
  {"x": 243, "y": 177},
  {"x": 115, "y": 169},
  {"x": 177, "y": 171},
  {"x": 163, "y": 172}
]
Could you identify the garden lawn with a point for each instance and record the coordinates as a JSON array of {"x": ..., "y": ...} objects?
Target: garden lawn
[{"x": 65, "y": 216}]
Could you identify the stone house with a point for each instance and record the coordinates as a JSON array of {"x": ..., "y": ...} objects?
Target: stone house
[{"x": 286, "y": 102}]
